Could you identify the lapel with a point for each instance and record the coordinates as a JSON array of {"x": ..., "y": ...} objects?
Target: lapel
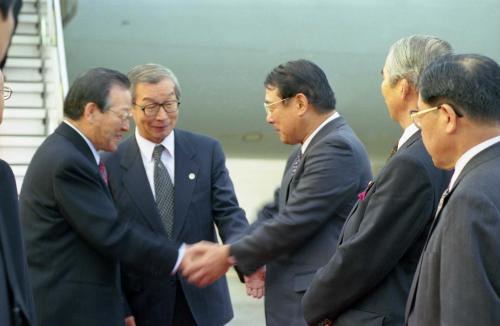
[
  {"x": 287, "y": 178},
  {"x": 77, "y": 141},
  {"x": 186, "y": 175},
  {"x": 136, "y": 184},
  {"x": 81, "y": 145},
  {"x": 416, "y": 136}
]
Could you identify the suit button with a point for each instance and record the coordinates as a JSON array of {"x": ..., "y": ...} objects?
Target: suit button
[{"x": 172, "y": 282}]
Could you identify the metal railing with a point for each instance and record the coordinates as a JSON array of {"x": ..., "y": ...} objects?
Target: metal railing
[{"x": 54, "y": 69}]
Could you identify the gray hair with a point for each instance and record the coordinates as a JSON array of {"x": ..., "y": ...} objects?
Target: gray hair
[
  {"x": 152, "y": 73},
  {"x": 409, "y": 56}
]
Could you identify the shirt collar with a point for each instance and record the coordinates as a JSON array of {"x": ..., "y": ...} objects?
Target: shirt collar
[
  {"x": 469, "y": 155},
  {"x": 409, "y": 131},
  {"x": 97, "y": 157},
  {"x": 147, "y": 147},
  {"x": 311, "y": 136}
]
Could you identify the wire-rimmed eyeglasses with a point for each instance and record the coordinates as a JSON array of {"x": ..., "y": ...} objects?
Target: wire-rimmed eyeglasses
[
  {"x": 152, "y": 109},
  {"x": 7, "y": 92},
  {"x": 416, "y": 115},
  {"x": 124, "y": 115},
  {"x": 269, "y": 109}
]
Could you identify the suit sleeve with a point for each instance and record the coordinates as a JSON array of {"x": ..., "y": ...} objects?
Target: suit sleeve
[
  {"x": 88, "y": 207},
  {"x": 399, "y": 208},
  {"x": 228, "y": 215},
  {"x": 330, "y": 172},
  {"x": 470, "y": 260}
]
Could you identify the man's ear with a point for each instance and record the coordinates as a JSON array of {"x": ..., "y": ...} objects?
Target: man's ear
[
  {"x": 302, "y": 103},
  {"x": 90, "y": 112},
  {"x": 405, "y": 88},
  {"x": 449, "y": 118}
]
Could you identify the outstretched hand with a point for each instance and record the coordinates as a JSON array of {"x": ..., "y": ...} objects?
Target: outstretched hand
[{"x": 205, "y": 262}]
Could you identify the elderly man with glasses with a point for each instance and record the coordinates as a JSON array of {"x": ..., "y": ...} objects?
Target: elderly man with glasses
[
  {"x": 458, "y": 278},
  {"x": 367, "y": 280},
  {"x": 176, "y": 184}
]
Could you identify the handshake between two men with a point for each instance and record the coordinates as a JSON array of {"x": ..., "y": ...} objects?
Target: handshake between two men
[{"x": 205, "y": 262}]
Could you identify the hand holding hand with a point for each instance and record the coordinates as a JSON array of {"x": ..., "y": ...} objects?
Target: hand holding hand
[
  {"x": 255, "y": 283},
  {"x": 205, "y": 262}
]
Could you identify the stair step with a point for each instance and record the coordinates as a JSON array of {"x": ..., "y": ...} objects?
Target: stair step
[
  {"x": 27, "y": 28},
  {"x": 19, "y": 150},
  {"x": 29, "y": 8},
  {"x": 25, "y": 87},
  {"x": 25, "y": 100},
  {"x": 24, "y": 62},
  {"x": 28, "y": 18},
  {"x": 24, "y": 113},
  {"x": 22, "y": 74},
  {"x": 24, "y": 51},
  {"x": 23, "y": 122},
  {"x": 26, "y": 40}
]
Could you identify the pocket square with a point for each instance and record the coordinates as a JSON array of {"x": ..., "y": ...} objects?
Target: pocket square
[{"x": 362, "y": 195}]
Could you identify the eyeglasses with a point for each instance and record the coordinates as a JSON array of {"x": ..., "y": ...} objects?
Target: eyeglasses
[
  {"x": 152, "y": 109},
  {"x": 123, "y": 115},
  {"x": 7, "y": 92},
  {"x": 417, "y": 115},
  {"x": 267, "y": 106}
]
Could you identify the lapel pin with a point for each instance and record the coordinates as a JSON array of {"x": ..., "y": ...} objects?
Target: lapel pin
[{"x": 191, "y": 176}]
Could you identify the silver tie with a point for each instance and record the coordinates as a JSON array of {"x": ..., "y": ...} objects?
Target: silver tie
[{"x": 164, "y": 190}]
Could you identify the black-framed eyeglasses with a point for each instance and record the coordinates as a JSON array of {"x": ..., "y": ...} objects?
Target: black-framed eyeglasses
[
  {"x": 123, "y": 115},
  {"x": 152, "y": 109},
  {"x": 7, "y": 92}
]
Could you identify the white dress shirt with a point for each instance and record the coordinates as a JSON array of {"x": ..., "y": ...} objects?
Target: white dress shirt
[
  {"x": 409, "y": 131},
  {"x": 311, "y": 136},
  {"x": 146, "y": 147}
]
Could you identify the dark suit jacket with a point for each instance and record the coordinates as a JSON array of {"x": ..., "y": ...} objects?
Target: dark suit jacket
[
  {"x": 202, "y": 200},
  {"x": 298, "y": 233},
  {"x": 458, "y": 276},
  {"x": 367, "y": 280},
  {"x": 74, "y": 237},
  {"x": 16, "y": 299}
]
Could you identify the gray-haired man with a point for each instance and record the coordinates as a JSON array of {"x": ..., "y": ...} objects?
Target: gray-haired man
[{"x": 367, "y": 280}]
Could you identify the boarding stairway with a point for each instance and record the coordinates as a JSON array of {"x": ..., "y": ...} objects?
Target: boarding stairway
[{"x": 36, "y": 72}]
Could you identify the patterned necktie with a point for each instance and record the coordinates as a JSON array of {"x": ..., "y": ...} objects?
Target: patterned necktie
[
  {"x": 296, "y": 162},
  {"x": 103, "y": 172},
  {"x": 164, "y": 190}
]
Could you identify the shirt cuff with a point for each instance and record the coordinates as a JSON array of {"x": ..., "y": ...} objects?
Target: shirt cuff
[{"x": 180, "y": 255}]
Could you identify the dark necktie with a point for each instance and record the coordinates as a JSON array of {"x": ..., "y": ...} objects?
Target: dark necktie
[
  {"x": 296, "y": 162},
  {"x": 164, "y": 190},
  {"x": 103, "y": 172}
]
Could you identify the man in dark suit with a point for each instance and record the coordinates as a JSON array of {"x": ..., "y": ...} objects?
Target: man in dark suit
[
  {"x": 367, "y": 280},
  {"x": 74, "y": 235},
  {"x": 458, "y": 277},
  {"x": 200, "y": 194},
  {"x": 297, "y": 233},
  {"x": 16, "y": 299}
]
